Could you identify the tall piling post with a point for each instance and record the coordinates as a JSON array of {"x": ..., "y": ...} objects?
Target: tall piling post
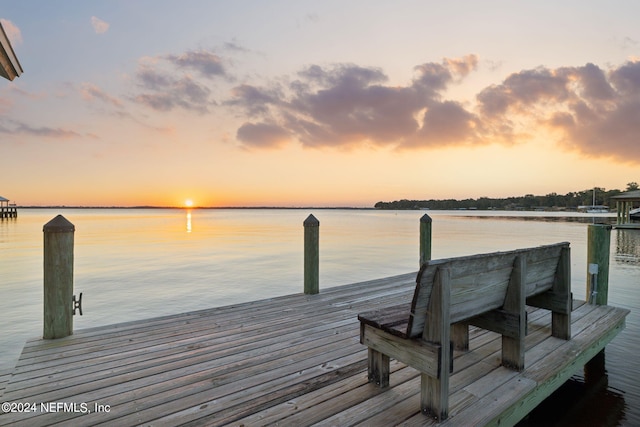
[
  {"x": 425, "y": 238},
  {"x": 311, "y": 255},
  {"x": 598, "y": 248},
  {"x": 58, "y": 278}
]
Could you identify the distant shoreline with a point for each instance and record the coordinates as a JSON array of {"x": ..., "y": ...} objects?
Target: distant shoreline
[
  {"x": 469, "y": 210},
  {"x": 199, "y": 207}
]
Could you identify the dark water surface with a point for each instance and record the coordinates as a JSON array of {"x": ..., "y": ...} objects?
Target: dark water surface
[{"x": 139, "y": 263}]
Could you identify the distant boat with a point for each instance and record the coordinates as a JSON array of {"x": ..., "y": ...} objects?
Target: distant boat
[
  {"x": 597, "y": 209},
  {"x": 593, "y": 208}
]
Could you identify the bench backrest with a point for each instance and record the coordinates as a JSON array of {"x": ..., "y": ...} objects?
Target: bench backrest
[{"x": 479, "y": 282}]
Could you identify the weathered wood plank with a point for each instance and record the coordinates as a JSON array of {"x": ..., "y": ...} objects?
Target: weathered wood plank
[
  {"x": 514, "y": 303},
  {"x": 479, "y": 282},
  {"x": 554, "y": 379},
  {"x": 243, "y": 348},
  {"x": 336, "y": 296},
  {"x": 390, "y": 319},
  {"x": 183, "y": 333},
  {"x": 422, "y": 355},
  {"x": 376, "y": 404},
  {"x": 595, "y": 327},
  {"x": 476, "y": 282},
  {"x": 490, "y": 405},
  {"x": 251, "y": 390},
  {"x": 193, "y": 386},
  {"x": 434, "y": 389},
  {"x": 317, "y": 405},
  {"x": 188, "y": 338},
  {"x": 561, "y": 319},
  {"x": 5, "y": 376},
  {"x": 541, "y": 265}
]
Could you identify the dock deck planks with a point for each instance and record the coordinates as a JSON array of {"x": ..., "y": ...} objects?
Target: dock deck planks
[{"x": 292, "y": 360}]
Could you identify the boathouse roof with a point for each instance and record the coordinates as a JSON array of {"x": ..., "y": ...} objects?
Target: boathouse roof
[
  {"x": 2, "y": 199},
  {"x": 628, "y": 196},
  {"x": 10, "y": 67}
]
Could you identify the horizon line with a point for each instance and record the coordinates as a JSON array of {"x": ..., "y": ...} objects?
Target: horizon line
[{"x": 189, "y": 207}]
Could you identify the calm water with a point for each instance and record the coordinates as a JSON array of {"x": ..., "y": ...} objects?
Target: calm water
[{"x": 135, "y": 264}]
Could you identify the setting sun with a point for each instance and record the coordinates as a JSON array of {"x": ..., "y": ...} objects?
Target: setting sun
[{"x": 188, "y": 203}]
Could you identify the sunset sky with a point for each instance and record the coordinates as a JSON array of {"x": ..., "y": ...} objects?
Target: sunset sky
[{"x": 317, "y": 103}]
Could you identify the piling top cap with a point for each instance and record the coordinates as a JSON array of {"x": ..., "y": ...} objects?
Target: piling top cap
[
  {"x": 58, "y": 224},
  {"x": 602, "y": 226},
  {"x": 311, "y": 221},
  {"x": 425, "y": 218}
]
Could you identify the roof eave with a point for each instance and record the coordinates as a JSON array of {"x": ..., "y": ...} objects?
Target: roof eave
[
  {"x": 10, "y": 67},
  {"x": 634, "y": 194}
]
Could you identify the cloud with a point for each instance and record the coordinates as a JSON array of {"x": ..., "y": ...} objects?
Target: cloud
[
  {"x": 19, "y": 128},
  {"x": 99, "y": 26},
  {"x": 628, "y": 42},
  {"x": 461, "y": 66},
  {"x": 166, "y": 82},
  {"x": 253, "y": 100},
  {"x": 262, "y": 135},
  {"x": 183, "y": 93},
  {"x": 91, "y": 92},
  {"x": 597, "y": 112},
  {"x": 523, "y": 89},
  {"x": 447, "y": 123},
  {"x": 206, "y": 63},
  {"x": 234, "y": 46},
  {"x": 312, "y": 17},
  {"x": 151, "y": 78},
  {"x": 626, "y": 78},
  {"x": 12, "y": 31},
  {"x": 347, "y": 104},
  {"x": 45, "y": 131}
]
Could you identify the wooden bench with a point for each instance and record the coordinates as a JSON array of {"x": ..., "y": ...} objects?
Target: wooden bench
[{"x": 489, "y": 291}]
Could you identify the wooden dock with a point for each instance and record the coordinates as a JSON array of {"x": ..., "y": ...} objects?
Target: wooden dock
[
  {"x": 292, "y": 360},
  {"x": 628, "y": 226},
  {"x": 9, "y": 211}
]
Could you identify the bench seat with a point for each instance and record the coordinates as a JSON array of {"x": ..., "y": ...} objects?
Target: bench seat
[{"x": 393, "y": 319}]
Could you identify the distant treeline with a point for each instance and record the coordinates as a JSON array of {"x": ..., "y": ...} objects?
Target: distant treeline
[{"x": 552, "y": 201}]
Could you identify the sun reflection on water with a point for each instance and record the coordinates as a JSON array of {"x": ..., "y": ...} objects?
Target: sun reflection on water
[{"x": 188, "y": 221}]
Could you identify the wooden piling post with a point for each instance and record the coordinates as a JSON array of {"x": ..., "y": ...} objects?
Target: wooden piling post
[
  {"x": 425, "y": 239},
  {"x": 311, "y": 255},
  {"x": 58, "y": 278},
  {"x": 598, "y": 248}
]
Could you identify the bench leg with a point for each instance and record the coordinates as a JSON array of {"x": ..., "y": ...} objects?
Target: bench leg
[
  {"x": 378, "y": 368},
  {"x": 513, "y": 352},
  {"x": 561, "y": 322},
  {"x": 434, "y": 396},
  {"x": 460, "y": 336},
  {"x": 514, "y": 303},
  {"x": 561, "y": 325}
]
